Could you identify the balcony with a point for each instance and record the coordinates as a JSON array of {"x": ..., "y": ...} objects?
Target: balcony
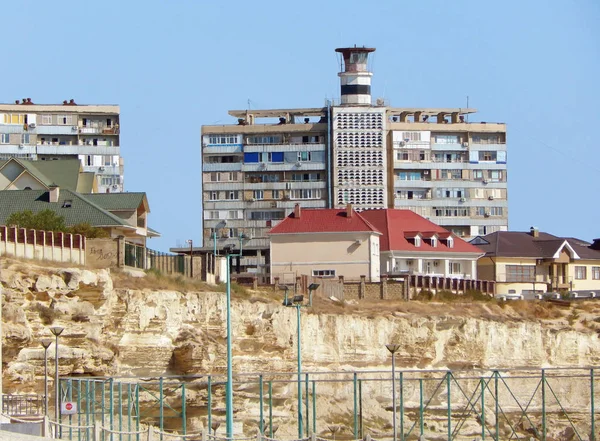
[
  {"x": 56, "y": 130},
  {"x": 304, "y": 203},
  {"x": 99, "y": 130},
  {"x": 103, "y": 169},
  {"x": 47, "y": 149},
  {"x": 222, "y": 166},
  {"x": 283, "y": 166},
  {"x": 305, "y": 147},
  {"x": 221, "y": 149},
  {"x": 487, "y": 147},
  {"x": 451, "y": 147}
]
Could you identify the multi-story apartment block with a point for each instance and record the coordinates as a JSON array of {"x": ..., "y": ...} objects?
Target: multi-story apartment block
[
  {"x": 51, "y": 132},
  {"x": 432, "y": 161}
]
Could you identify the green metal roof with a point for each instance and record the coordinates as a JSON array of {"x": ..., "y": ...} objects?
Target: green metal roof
[
  {"x": 119, "y": 201},
  {"x": 80, "y": 210}
]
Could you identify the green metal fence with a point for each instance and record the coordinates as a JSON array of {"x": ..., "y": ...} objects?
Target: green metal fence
[{"x": 451, "y": 405}]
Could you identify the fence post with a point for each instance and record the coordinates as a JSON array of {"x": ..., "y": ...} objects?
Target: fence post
[
  {"x": 97, "y": 431},
  {"x": 204, "y": 434},
  {"x": 120, "y": 251},
  {"x": 362, "y": 287},
  {"x": 383, "y": 294},
  {"x": 150, "y": 433}
]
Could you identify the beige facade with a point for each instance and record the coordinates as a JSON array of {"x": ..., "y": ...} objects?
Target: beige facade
[{"x": 350, "y": 255}]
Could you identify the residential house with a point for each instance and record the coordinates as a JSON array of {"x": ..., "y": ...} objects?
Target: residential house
[
  {"x": 25, "y": 174},
  {"x": 534, "y": 261},
  {"x": 77, "y": 208},
  {"x": 413, "y": 245},
  {"x": 324, "y": 243}
]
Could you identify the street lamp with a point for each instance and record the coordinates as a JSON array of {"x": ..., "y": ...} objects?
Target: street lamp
[
  {"x": 56, "y": 331},
  {"x": 191, "y": 242},
  {"x": 298, "y": 302},
  {"x": 393, "y": 348},
  {"x": 46, "y": 342},
  {"x": 229, "y": 388}
]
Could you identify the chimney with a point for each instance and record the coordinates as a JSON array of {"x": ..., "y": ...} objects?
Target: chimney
[
  {"x": 534, "y": 232},
  {"x": 349, "y": 210},
  {"x": 297, "y": 211},
  {"x": 595, "y": 245},
  {"x": 54, "y": 193}
]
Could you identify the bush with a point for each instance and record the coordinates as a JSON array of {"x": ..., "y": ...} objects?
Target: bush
[
  {"x": 47, "y": 315},
  {"x": 46, "y": 220}
]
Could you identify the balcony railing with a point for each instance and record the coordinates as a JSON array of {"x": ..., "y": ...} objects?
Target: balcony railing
[
  {"x": 221, "y": 166},
  {"x": 99, "y": 130}
]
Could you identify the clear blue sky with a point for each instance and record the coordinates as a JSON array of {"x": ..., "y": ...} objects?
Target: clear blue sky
[{"x": 175, "y": 65}]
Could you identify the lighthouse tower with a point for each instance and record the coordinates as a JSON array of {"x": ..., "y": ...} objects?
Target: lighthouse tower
[{"x": 355, "y": 78}]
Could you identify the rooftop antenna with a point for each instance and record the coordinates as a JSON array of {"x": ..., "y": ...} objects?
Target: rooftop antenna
[
  {"x": 467, "y": 108},
  {"x": 249, "y": 103}
]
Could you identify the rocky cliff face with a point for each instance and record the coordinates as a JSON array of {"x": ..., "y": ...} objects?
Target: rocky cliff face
[{"x": 123, "y": 331}]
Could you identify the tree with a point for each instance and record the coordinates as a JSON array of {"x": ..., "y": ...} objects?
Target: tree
[
  {"x": 87, "y": 230},
  {"x": 46, "y": 220}
]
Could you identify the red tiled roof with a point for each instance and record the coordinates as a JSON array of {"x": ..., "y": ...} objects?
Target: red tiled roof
[
  {"x": 396, "y": 225},
  {"x": 323, "y": 221}
]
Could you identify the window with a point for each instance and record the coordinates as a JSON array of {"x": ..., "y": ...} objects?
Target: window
[
  {"x": 596, "y": 273},
  {"x": 486, "y": 139},
  {"x": 223, "y": 139},
  {"x": 305, "y": 193},
  {"x": 310, "y": 139},
  {"x": 487, "y": 156},
  {"x": 214, "y": 177},
  {"x": 478, "y": 174},
  {"x": 276, "y": 194},
  {"x": 234, "y": 214},
  {"x": 455, "y": 268},
  {"x": 258, "y": 195},
  {"x": 495, "y": 175},
  {"x": 231, "y": 232},
  {"x": 65, "y": 120},
  {"x": 67, "y": 203},
  {"x": 323, "y": 273},
  {"x": 25, "y": 138},
  {"x": 108, "y": 122},
  {"x": 409, "y": 176},
  {"x": 266, "y": 215},
  {"x": 110, "y": 180},
  {"x": 451, "y": 212},
  {"x": 13, "y": 118},
  {"x": 450, "y": 242},
  {"x": 304, "y": 156},
  {"x": 411, "y": 136},
  {"x": 213, "y": 196},
  {"x": 446, "y": 139},
  {"x": 433, "y": 242},
  {"x": 306, "y": 176},
  {"x": 450, "y": 193},
  {"x": 213, "y": 215},
  {"x": 581, "y": 272},
  {"x": 5, "y": 138},
  {"x": 520, "y": 273},
  {"x": 264, "y": 140},
  {"x": 47, "y": 120},
  {"x": 233, "y": 195}
]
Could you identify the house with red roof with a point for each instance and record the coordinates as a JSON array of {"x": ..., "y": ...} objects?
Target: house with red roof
[
  {"x": 343, "y": 242},
  {"x": 413, "y": 245},
  {"x": 324, "y": 243}
]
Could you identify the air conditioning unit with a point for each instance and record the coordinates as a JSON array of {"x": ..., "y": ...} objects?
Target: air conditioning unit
[
  {"x": 274, "y": 204},
  {"x": 32, "y": 126},
  {"x": 425, "y": 172},
  {"x": 465, "y": 144},
  {"x": 298, "y": 164},
  {"x": 462, "y": 200},
  {"x": 115, "y": 186},
  {"x": 490, "y": 198},
  {"x": 486, "y": 214},
  {"x": 262, "y": 165},
  {"x": 73, "y": 129},
  {"x": 252, "y": 199},
  {"x": 484, "y": 181},
  {"x": 21, "y": 146},
  {"x": 101, "y": 168},
  {"x": 402, "y": 143}
]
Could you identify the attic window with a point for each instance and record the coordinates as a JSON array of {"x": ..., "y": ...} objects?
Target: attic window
[
  {"x": 450, "y": 242},
  {"x": 433, "y": 241},
  {"x": 67, "y": 203},
  {"x": 417, "y": 241}
]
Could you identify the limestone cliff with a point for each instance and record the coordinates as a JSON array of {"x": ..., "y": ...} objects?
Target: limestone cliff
[{"x": 116, "y": 331}]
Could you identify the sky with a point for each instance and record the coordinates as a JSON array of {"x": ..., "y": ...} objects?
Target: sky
[{"x": 173, "y": 66}]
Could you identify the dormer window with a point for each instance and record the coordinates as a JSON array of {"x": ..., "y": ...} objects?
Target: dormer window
[
  {"x": 450, "y": 242},
  {"x": 433, "y": 241},
  {"x": 68, "y": 203},
  {"x": 417, "y": 241}
]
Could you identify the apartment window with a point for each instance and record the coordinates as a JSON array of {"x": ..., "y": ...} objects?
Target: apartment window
[
  {"x": 450, "y": 193},
  {"x": 276, "y": 194},
  {"x": 596, "y": 273},
  {"x": 478, "y": 174},
  {"x": 411, "y": 194},
  {"x": 485, "y": 139},
  {"x": 233, "y": 195},
  {"x": 232, "y": 232},
  {"x": 234, "y": 214},
  {"x": 581, "y": 272},
  {"x": 446, "y": 139},
  {"x": 5, "y": 138},
  {"x": 323, "y": 273},
  {"x": 213, "y": 196},
  {"x": 306, "y": 193},
  {"x": 451, "y": 212},
  {"x": 264, "y": 140},
  {"x": 47, "y": 119},
  {"x": 306, "y": 176},
  {"x": 233, "y": 176},
  {"x": 13, "y": 118},
  {"x": 214, "y": 177},
  {"x": 110, "y": 180},
  {"x": 223, "y": 139},
  {"x": 25, "y": 137},
  {"x": 304, "y": 156},
  {"x": 266, "y": 215},
  {"x": 65, "y": 120},
  {"x": 213, "y": 215},
  {"x": 487, "y": 156},
  {"x": 495, "y": 175},
  {"x": 409, "y": 176},
  {"x": 520, "y": 273},
  {"x": 258, "y": 195},
  {"x": 411, "y": 136},
  {"x": 108, "y": 122}
]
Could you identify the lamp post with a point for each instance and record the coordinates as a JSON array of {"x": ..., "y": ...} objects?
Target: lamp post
[
  {"x": 229, "y": 388},
  {"x": 298, "y": 302},
  {"x": 56, "y": 331},
  {"x": 191, "y": 242},
  {"x": 46, "y": 342},
  {"x": 393, "y": 348}
]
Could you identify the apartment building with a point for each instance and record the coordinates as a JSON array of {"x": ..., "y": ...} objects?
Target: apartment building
[
  {"x": 357, "y": 151},
  {"x": 47, "y": 132}
]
